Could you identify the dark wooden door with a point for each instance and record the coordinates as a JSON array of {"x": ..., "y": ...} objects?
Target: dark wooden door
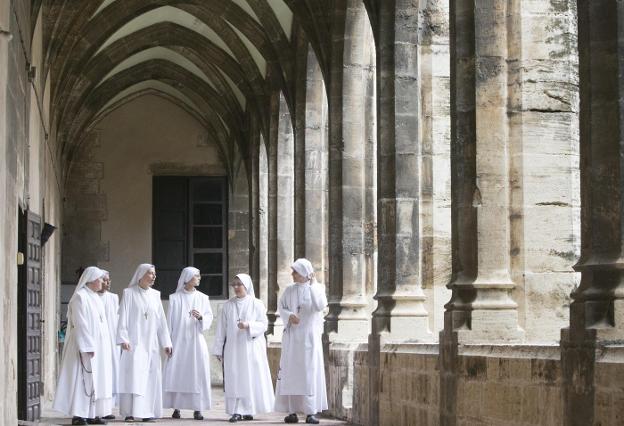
[{"x": 29, "y": 318}]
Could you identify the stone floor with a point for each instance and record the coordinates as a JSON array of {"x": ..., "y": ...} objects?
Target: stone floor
[{"x": 216, "y": 416}]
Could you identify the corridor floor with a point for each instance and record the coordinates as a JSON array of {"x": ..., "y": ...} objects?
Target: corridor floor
[{"x": 216, "y": 416}]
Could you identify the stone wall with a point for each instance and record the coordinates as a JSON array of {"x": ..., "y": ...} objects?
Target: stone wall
[
  {"x": 496, "y": 385},
  {"x": 10, "y": 81},
  {"x": 609, "y": 393},
  {"x": 109, "y": 197},
  {"x": 29, "y": 179}
]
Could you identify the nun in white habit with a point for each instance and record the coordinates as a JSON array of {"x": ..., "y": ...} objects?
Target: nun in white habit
[
  {"x": 85, "y": 387},
  {"x": 186, "y": 381},
  {"x": 241, "y": 346},
  {"x": 111, "y": 308},
  {"x": 141, "y": 332},
  {"x": 301, "y": 379}
]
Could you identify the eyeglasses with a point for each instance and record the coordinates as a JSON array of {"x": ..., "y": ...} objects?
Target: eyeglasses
[{"x": 236, "y": 284}]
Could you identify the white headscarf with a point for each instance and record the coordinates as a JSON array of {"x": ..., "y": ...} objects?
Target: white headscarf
[
  {"x": 248, "y": 283},
  {"x": 90, "y": 274},
  {"x": 141, "y": 270},
  {"x": 187, "y": 275},
  {"x": 303, "y": 267}
]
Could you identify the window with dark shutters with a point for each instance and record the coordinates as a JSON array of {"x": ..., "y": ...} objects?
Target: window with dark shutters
[{"x": 190, "y": 229}]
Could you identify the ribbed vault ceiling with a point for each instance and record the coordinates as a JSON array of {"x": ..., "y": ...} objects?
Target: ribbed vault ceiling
[{"x": 218, "y": 59}]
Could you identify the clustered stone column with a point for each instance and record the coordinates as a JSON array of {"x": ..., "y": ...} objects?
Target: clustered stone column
[
  {"x": 400, "y": 312},
  {"x": 481, "y": 308},
  {"x": 597, "y": 310},
  {"x": 281, "y": 209},
  {"x": 254, "y": 209},
  {"x": 275, "y": 324},
  {"x": 315, "y": 153},
  {"x": 348, "y": 319}
]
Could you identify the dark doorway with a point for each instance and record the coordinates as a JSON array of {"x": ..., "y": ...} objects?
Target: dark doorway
[
  {"x": 29, "y": 317},
  {"x": 190, "y": 229}
]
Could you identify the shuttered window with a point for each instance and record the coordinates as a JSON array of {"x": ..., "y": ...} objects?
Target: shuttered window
[{"x": 190, "y": 229}]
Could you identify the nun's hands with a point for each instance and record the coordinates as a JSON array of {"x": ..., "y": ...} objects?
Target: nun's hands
[
  {"x": 312, "y": 278},
  {"x": 243, "y": 325},
  {"x": 196, "y": 314},
  {"x": 169, "y": 351},
  {"x": 293, "y": 319},
  {"x": 126, "y": 346}
]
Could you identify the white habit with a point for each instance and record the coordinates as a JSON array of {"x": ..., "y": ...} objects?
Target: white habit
[
  {"x": 247, "y": 378},
  {"x": 186, "y": 380},
  {"x": 85, "y": 386},
  {"x": 111, "y": 307},
  {"x": 142, "y": 324},
  {"x": 301, "y": 378}
]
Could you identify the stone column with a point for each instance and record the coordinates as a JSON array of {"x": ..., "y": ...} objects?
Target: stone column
[
  {"x": 263, "y": 206},
  {"x": 316, "y": 167},
  {"x": 400, "y": 313},
  {"x": 281, "y": 208},
  {"x": 405, "y": 175},
  {"x": 301, "y": 63},
  {"x": 597, "y": 310},
  {"x": 347, "y": 319},
  {"x": 254, "y": 209},
  {"x": 481, "y": 308},
  {"x": 275, "y": 323},
  {"x": 285, "y": 196}
]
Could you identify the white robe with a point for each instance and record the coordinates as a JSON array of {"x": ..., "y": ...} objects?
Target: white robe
[
  {"x": 143, "y": 325},
  {"x": 247, "y": 378},
  {"x": 111, "y": 307},
  {"x": 80, "y": 375},
  {"x": 301, "y": 378},
  {"x": 186, "y": 378}
]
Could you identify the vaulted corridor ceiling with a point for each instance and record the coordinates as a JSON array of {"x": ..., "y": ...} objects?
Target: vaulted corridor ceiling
[{"x": 219, "y": 60}]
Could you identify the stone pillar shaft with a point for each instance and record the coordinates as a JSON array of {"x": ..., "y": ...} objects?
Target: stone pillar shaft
[
  {"x": 315, "y": 132},
  {"x": 272, "y": 247},
  {"x": 254, "y": 210},
  {"x": 300, "y": 124},
  {"x": 598, "y": 300},
  {"x": 347, "y": 319},
  {"x": 597, "y": 310},
  {"x": 400, "y": 313},
  {"x": 481, "y": 306}
]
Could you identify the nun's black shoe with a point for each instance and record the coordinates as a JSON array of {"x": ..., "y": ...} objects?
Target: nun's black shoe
[
  {"x": 235, "y": 418},
  {"x": 129, "y": 419},
  {"x": 197, "y": 415},
  {"x": 312, "y": 420},
  {"x": 247, "y": 417},
  {"x": 78, "y": 421},
  {"x": 96, "y": 421},
  {"x": 149, "y": 420},
  {"x": 109, "y": 417},
  {"x": 176, "y": 414},
  {"x": 291, "y": 418}
]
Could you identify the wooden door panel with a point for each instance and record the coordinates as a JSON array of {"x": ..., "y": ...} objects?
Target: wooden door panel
[{"x": 29, "y": 318}]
